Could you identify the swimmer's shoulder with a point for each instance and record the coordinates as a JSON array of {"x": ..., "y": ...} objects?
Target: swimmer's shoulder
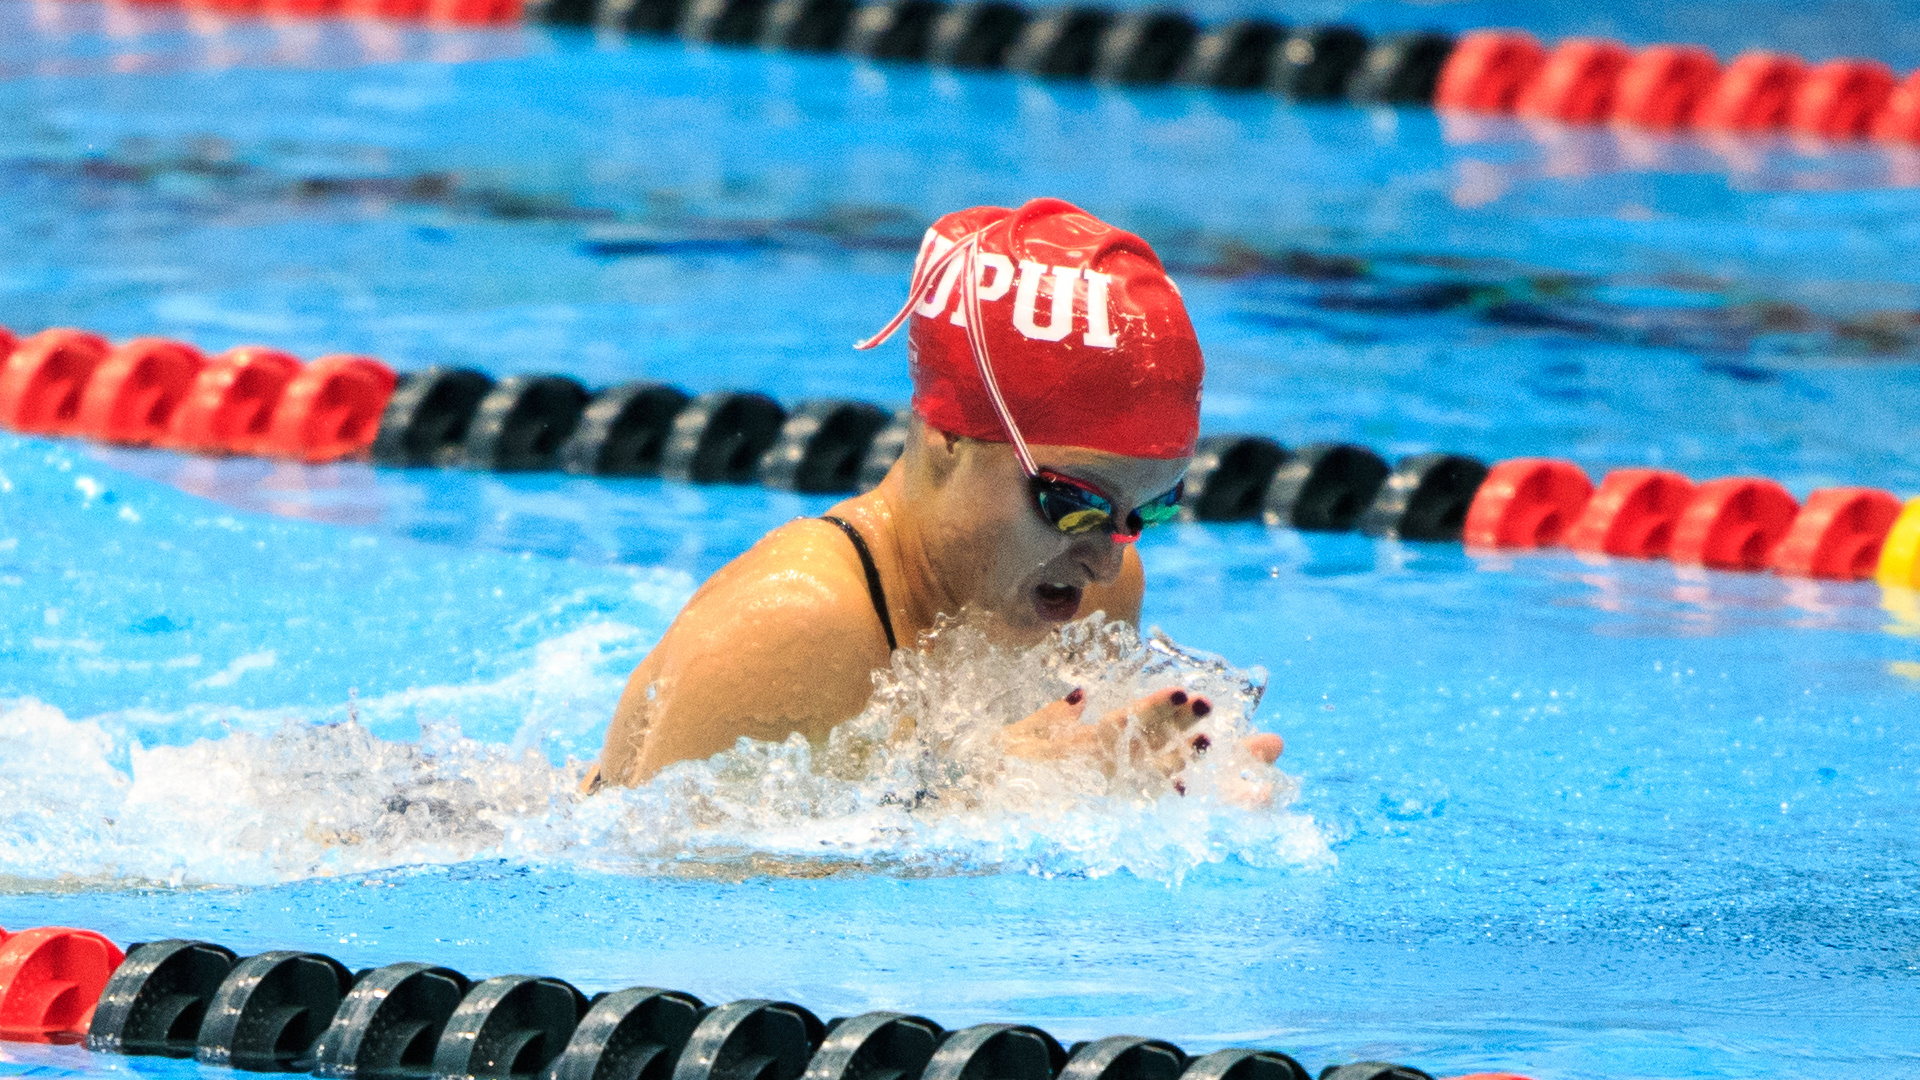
[
  {"x": 799, "y": 591},
  {"x": 780, "y": 640},
  {"x": 807, "y": 560}
]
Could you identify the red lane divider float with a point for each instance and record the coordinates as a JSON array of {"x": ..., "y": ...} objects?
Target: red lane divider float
[
  {"x": 1839, "y": 100},
  {"x": 1662, "y": 86},
  {"x": 232, "y": 401},
  {"x": 1487, "y": 70},
  {"x": 1899, "y": 119},
  {"x": 1632, "y": 514},
  {"x": 1733, "y": 524},
  {"x": 135, "y": 391},
  {"x": 311, "y": 9},
  {"x": 1737, "y": 523},
  {"x": 1753, "y": 94},
  {"x": 42, "y": 382},
  {"x": 1837, "y": 534},
  {"x": 330, "y": 410},
  {"x": 151, "y": 391},
  {"x": 1526, "y": 503},
  {"x": 1576, "y": 84},
  {"x": 50, "y": 979}
]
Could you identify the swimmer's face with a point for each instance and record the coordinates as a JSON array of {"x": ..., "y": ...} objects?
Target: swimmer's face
[{"x": 1004, "y": 558}]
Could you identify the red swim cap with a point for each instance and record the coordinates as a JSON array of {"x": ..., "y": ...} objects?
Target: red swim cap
[{"x": 1085, "y": 333}]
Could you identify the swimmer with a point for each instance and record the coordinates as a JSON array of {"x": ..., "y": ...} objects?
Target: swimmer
[{"x": 1056, "y": 401}]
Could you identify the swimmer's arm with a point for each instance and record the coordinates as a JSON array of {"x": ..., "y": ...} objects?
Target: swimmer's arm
[
  {"x": 786, "y": 663},
  {"x": 1119, "y": 598}
]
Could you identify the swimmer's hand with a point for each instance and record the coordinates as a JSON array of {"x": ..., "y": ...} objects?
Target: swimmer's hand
[{"x": 1057, "y": 732}]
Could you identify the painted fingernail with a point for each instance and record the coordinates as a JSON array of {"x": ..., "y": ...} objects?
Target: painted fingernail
[
  {"x": 1178, "y": 697},
  {"x": 1077, "y": 696},
  {"x": 1201, "y": 707},
  {"x": 1201, "y": 744}
]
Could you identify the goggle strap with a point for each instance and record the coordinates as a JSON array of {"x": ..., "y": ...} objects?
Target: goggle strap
[
  {"x": 923, "y": 277},
  {"x": 977, "y": 340},
  {"x": 928, "y": 275}
]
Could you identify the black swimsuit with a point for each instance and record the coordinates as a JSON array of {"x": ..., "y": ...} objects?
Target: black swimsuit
[{"x": 874, "y": 591}]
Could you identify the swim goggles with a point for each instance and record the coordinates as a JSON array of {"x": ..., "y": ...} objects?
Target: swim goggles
[{"x": 1073, "y": 507}]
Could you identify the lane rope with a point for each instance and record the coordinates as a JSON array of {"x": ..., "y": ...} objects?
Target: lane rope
[
  {"x": 1576, "y": 81},
  {"x": 255, "y": 401},
  {"x": 290, "y": 1011}
]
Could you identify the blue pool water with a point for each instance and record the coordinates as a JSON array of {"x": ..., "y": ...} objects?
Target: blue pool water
[{"x": 1576, "y": 818}]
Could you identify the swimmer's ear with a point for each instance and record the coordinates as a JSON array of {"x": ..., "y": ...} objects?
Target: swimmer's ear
[{"x": 940, "y": 450}]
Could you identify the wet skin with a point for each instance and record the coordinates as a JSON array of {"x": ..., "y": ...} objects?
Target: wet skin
[{"x": 785, "y": 639}]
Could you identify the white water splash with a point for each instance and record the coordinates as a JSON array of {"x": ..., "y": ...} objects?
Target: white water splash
[{"x": 259, "y": 805}]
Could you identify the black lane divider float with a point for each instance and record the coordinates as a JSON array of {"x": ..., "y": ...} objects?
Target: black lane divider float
[
  {"x": 267, "y": 1012},
  {"x": 287, "y": 1011}
]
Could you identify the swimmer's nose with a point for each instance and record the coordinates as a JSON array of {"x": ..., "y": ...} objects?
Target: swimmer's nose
[{"x": 1103, "y": 558}]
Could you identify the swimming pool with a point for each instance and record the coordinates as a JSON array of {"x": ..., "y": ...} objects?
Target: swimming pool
[{"x": 1583, "y": 819}]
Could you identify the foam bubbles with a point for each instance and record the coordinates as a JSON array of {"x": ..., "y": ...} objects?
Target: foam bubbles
[
  {"x": 919, "y": 782},
  {"x": 916, "y": 785}
]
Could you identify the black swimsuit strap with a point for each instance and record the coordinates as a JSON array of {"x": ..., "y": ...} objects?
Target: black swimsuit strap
[{"x": 874, "y": 590}]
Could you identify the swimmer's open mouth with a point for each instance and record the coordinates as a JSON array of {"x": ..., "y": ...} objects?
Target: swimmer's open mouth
[{"x": 1056, "y": 603}]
